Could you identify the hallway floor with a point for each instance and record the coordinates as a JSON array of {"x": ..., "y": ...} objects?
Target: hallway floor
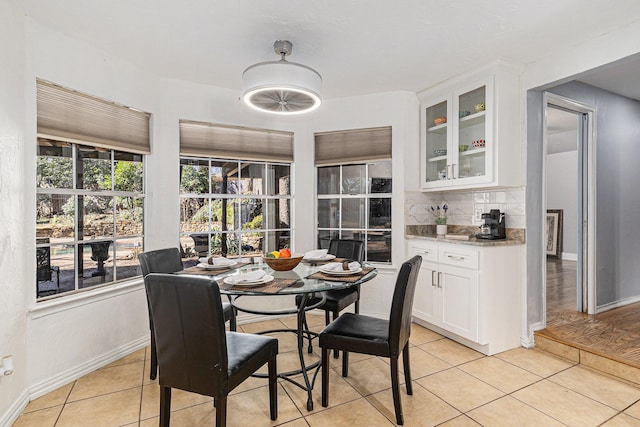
[
  {"x": 453, "y": 386},
  {"x": 614, "y": 334}
]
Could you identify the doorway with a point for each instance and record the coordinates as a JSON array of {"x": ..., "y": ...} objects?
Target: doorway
[{"x": 569, "y": 206}]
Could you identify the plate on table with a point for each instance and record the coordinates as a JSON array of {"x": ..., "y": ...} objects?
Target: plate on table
[
  {"x": 327, "y": 257},
  {"x": 341, "y": 272},
  {"x": 249, "y": 283},
  {"x": 207, "y": 266}
]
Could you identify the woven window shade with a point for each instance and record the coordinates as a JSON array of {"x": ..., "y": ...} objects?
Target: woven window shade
[
  {"x": 352, "y": 146},
  {"x": 71, "y": 116},
  {"x": 234, "y": 142}
]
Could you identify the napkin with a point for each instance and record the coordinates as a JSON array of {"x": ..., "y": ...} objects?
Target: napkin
[
  {"x": 315, "y": 254},
  {"x": 337, "y": 266},
  {"x": 216, "y": 261},
  {"x": 251, "y": 276}
]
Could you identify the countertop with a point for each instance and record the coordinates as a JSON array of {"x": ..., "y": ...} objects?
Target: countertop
[{"x": 515, "y": 236}]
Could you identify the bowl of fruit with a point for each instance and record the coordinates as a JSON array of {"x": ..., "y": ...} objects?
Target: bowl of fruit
[{"x": 282, "y": 260}]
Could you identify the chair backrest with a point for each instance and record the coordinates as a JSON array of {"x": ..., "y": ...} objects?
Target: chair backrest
[
  {"x": 160, "y": 261},
  {"x": 402, "y": 304},
  {"x": 190, "y": 334},
  {"x": 345, "y": 248},
  {"x": 43, "y": 258}
]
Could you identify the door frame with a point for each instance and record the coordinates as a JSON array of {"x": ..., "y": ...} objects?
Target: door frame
[{"x": 588, "y": 226}]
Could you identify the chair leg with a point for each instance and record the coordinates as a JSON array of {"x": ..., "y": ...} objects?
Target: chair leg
[
  {"x": 233, "y": 325},
  {"x": 407, "y": 369},
  {"x": 325, "y": 376},
  {"x": 327, "y": 320},
  {"x": 165, "y": 406},
  {"x": 153, "y": 369},
  {"x": 336, "y": 353},
  {"x": 221, "y": 412},
  {"x": 395, "y": 387},
  {"x": 273, "y": 388},
  {"x": 345, "y": 363}
]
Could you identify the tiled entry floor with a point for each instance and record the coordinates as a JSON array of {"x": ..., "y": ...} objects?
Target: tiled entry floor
[{"x": 453, "y": 386}]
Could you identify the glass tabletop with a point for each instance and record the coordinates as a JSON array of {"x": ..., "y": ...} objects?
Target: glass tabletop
[{"x": 300, "y": 273}]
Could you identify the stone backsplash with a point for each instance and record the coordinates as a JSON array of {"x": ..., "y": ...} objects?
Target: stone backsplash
[{"x": 464, "y": 204}]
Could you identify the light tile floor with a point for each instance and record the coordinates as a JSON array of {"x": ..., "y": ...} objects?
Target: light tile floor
[{"x": 452, "y": 386}]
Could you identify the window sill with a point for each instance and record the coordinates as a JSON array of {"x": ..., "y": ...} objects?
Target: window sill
[{"x": 70, "y": 302}]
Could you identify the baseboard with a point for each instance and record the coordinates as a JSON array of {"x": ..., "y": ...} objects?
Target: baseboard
[
  {"x": 530, "y": 341},
  {"x": 10, "y": 417},
  {"x": 65, "y": 377},
  {"x": 568, "y": 256},
  {"x": 616, "y": 304}
]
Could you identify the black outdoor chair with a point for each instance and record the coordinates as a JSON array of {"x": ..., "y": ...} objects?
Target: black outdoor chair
[
  {"x": 369, "y": 335},
  {"x": 338, "y": 300},
  {"x": 168, "y": 261},
  {"x": 195, "y": 353},
  {"x": 44, "y": 270}
]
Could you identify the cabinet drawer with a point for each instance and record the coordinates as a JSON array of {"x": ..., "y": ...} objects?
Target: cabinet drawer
[
  {"x": 426, "y": 251},
  {"x": 460, "y": 257}
]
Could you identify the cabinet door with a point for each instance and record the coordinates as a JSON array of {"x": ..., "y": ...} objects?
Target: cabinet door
[
  {"x": 459, "y": 295},
  {"x": 435, "y": 126},
  {"x": 473, "y": 143},
  {"x": 426, "y": 301}
]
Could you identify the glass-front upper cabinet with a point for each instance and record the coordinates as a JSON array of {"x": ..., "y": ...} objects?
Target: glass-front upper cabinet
[
  {"x": 457, "y": 137},
  {"x": 436, "y": 141}
]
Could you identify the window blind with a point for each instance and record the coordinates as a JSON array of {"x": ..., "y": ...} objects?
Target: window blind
[
  {"x": 352, "y": 146},
  {"x": 234, "y": 142},
  {"x": 68, "y": 115}
]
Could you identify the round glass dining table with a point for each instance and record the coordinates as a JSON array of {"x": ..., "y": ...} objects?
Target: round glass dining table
[{"x": 295, "y": 282}]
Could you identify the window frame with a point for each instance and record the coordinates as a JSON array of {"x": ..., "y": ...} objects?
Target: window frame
[
  {"x": 76, "y": 243},
  {"x": 239, "y": 231},
  {"x": 367, "y": 196}
]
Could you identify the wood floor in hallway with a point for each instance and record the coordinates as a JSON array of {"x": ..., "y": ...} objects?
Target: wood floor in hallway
[{"x": 614, "y": 334}]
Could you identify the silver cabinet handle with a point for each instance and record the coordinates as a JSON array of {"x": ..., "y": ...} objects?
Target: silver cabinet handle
[
  {"x": 439, "y": 279},
  {"x": 425, "y": 252},
  {"x": 456, "y": 258},
  {"x": 433, "y": 278}
]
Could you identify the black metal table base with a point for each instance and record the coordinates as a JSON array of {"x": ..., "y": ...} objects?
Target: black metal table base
[{"x": 301, "y": 332}]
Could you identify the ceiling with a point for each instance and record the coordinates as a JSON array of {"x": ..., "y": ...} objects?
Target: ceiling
[{"x": 358, "y": 46}]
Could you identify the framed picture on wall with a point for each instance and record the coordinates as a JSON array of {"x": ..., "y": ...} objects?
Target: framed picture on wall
[{"x": 553, "y": 227}]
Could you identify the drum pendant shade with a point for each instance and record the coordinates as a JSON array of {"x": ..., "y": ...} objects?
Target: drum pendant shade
[{"x": 282, "y": 87}]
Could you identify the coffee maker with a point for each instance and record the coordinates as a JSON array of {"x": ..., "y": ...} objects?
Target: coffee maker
[{"x": 493, "y": 226}]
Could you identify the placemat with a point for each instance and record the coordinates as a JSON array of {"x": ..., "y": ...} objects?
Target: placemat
[
  {"x": 201, "y": 271},
  {"x": 273, "y": 287},
  {"x": 350, "y": 278}
]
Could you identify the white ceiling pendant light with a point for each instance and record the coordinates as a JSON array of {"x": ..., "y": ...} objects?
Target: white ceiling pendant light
[{"x": 281, "y": 87}]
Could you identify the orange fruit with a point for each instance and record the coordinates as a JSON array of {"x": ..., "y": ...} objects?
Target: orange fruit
[{"x": 285, "y": 253}]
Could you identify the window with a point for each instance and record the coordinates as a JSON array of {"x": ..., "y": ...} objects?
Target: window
[
  {"x": 233, "y": 208},
  {"x": 89, "y": 216},
  {"x": 89, "y": 189},
  {"x": 235, "y": 190},
  {"x": 354, "y": 202},
  {"x": 354, "y": 189}
]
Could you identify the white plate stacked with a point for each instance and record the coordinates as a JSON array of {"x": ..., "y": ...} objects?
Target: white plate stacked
[
  {"x": 204, "y": 263},
  {"x": 327, "y": 257},
  {"x": 248, "y": 283},
  {"x": 333, "y": 272}
]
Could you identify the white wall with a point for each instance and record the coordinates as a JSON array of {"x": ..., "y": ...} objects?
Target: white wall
[
  {"x": 562, "y": 193},
  {"x": 12, "y": 192}
]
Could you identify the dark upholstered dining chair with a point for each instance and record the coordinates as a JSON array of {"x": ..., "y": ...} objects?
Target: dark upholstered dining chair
[
  {"x": 338, "y": 300},
  {"x": 369, "y": 335},
  {"x": 195, "y": 353},
  {"x": 168, "y": 261}
]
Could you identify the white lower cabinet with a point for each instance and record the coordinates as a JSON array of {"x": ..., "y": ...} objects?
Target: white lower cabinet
[{"x": 470, "y": 294}]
